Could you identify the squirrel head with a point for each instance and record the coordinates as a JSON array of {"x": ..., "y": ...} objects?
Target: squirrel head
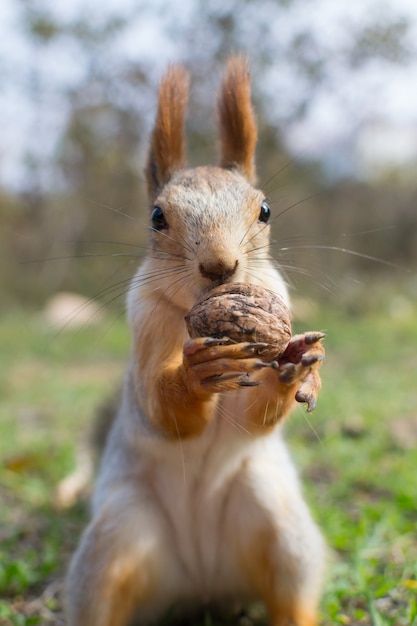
[{"x": 210, "y": 222}]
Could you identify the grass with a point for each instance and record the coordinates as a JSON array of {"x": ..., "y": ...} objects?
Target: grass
[{"x": 357, "y": 454}]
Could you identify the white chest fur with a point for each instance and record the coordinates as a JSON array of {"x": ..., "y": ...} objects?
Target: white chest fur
[{"x": 199, "y": 500}]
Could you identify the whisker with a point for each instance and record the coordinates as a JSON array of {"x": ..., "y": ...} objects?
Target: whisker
[
  {"x": 182, "y": 277},
  {"x": 295, "y": 204},
  {"x": 143, "y": 246},
  {"x": 246, "y": 231},
  {"x": 347, "y": 251},
  {"x": 278, "y": 172},
  {"x": 113, "y": 210},
  {"x": 181, "y": 447},
  {"x": 85, "y": 255},
  {"x": 369, "y": 231},
  {"x": 265, "y": 246},
  {"x": 184, "y": 245},
  {"x": 225, "y": 414},
  {"x": 72, "y": 314},
  {"x": 119, "y": 289},
  {"x": 181, "y": 280},
  {"x": 284, "y": 268},
  {"x": 254, "y": 236},
  {"x": 157, "y": 275},
  {"x": 310, "y": 425}
]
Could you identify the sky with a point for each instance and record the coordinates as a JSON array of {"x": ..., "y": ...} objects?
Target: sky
[{"x": 379, "y": 93}]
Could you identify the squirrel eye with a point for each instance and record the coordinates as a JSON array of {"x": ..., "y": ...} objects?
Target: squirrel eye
[
  {"x": 265, "y": 212},
  {"x": 158, "y": 220}
]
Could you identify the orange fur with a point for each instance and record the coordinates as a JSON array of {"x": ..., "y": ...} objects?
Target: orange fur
[
  {"x": 176, "y": 407},
  {"x": 265, "y": 410},
  {"x": 281, "y": 599},
  {"x": 167, "y": 148},
  {"x": 238, "y": 133},
  {"x": 121, "y": 582}
]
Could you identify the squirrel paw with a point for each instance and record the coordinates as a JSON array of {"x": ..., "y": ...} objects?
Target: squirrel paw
[
  {"x": 300, "y": 363},
  {"x": 221, "y": 365}
]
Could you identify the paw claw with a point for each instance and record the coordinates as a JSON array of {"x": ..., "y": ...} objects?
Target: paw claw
[
  {"x": 287, "y": 373},
  {"x": 261, "y": 364},
  {"x": 250, "y": 348},
  {"x": 299, "y": 366},
  {"x": 310, "y": 359},
  {"x": 258, "y": 345},
  {"x": 245, "y": 382},
  {"x": 216, "y": 341},
  {"x": 308, "y": 399},
  {"x": 227, "y": 381},
  {"x": 313, "y": 337}
]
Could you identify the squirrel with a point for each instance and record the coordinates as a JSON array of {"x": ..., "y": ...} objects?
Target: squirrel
[{"x": 197, "y": 499}]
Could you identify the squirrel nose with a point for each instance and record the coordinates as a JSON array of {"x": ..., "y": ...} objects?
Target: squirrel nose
[{"x": 218, "y": 270}]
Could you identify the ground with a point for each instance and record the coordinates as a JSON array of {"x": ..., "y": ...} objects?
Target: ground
[{"x": 357, "y": 454}]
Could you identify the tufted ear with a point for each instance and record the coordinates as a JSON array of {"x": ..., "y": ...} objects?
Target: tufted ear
[
  {"x": 167, "y": 146},
  {"x": 238, "y": 133}
]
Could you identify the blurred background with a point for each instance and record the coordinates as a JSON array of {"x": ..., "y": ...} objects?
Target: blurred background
[{"x": 335, "y": 91}]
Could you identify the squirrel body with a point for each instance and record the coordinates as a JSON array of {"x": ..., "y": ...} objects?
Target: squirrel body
[{"x": 197, "y": 499}]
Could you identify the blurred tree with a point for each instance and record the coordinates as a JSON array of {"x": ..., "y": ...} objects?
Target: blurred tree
[{"x": 105, "y": 95}]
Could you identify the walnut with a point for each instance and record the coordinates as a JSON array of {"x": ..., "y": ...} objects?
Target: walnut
[{"x": 243, "y": 312}]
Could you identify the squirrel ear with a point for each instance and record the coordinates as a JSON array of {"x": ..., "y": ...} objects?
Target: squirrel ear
[
  {"x": 238, "y": 133},
  {"x": 167, "y": 146}
]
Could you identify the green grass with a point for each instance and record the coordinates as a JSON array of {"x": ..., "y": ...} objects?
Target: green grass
[{"x": 357, "y": 455}]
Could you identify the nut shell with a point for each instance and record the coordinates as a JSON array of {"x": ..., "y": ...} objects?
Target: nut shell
[{"x": 243, "y": 312}]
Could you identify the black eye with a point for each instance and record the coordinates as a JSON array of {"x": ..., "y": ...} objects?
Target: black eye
[
  {"x": 158, "y": 220},
  {"x": 265, "y": 212}
]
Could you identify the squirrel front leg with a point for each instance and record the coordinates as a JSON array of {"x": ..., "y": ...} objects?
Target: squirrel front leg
[
  {"x": 178, "y": 381},
  {"x": 184, "y": 395},
  {"x": 179, "y": 394},
  {"x": 178, "y": 406},
  {"x": 294, "y": 378}
]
